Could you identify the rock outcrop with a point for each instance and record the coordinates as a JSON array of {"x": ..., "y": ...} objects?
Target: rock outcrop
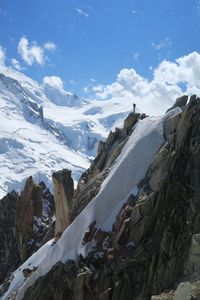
[
  {"x": 26, "y": 223},
  {"x": 107, "y": 153},
  {"x": 63, "y": 194},
  {"x": 10, "y": 257},
  {"x": 180, "y": 102},
  {"x": 189, "y": 287},
  {"x": 153, "y": 249}
]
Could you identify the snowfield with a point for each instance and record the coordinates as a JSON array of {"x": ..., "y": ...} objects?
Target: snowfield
[
  {"x": 130, "y": 167},
  {"x": 43, "y": 129}
]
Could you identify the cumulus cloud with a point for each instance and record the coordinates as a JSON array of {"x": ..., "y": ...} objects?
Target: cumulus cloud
[
  {"x": 32, "y": 52},
  {"x": 155, "y": 96},
  {"x": 2, "y": 56},
  {"x": 50, "y": 46},
  {"x": 54, "y": 81},
  {"x": 98, "y": 88},
  {"x": 16, "y": 64}
]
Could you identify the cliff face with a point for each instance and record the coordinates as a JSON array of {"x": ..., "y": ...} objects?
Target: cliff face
[
  {"x": 26, "y": 222},
  {"x": 154, "y": 241}
]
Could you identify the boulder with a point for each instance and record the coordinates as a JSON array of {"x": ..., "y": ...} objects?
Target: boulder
[{"x": 183, "y": 291}]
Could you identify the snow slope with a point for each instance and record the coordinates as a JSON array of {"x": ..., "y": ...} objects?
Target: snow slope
[
  {"x": 44, "y": 128},
  {"x": 130, "y": 167}
]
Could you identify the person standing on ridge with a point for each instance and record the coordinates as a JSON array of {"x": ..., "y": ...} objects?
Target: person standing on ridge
[{"x": 134, "y": 105}]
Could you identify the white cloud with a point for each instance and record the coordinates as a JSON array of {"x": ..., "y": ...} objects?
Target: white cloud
[
  {"x": 50, "y": 46},
  {"x": 155, "y": 96},
  {"x": 54, "y": 81},
  {"x": 98, "y": 88},
  {"x": 82, "y": 12},
  {"x": 166, "y": 43},
  {"x": 2, "y": 56},
  {"x": 32, "y": 53},
  {"x": 16, "y": 65},
  {"x": 136, "y": 56}
]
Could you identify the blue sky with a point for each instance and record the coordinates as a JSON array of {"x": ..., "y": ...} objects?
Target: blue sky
[{"x": 91, "y": 41}]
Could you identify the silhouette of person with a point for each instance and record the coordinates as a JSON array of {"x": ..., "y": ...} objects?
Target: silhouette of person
[{"x": 134, "y": 105}]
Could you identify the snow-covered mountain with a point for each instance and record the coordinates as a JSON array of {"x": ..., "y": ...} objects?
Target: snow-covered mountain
[
  {"x": 45, "y": 128},
  {"x": 129, "y": 169},
  {"x": 139, "y": 232}
]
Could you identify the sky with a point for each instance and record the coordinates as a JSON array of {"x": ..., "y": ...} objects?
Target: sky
[{"x": 88, "y": 44}]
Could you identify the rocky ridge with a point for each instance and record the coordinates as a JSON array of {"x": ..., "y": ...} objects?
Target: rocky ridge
[
  {"x": 31, "y": 214},
  {"x": 107, "y": 153},
  {"x": 153, "y": 249},
  {"x": 70, "y": 202},
  {"x": 150, "y": 243},
  {"x": 26, "y": 223}
]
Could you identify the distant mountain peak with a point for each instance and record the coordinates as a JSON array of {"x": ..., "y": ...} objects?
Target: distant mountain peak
[{"x": 57, "y": 129}]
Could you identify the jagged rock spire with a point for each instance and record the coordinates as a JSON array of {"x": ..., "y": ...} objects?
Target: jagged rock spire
[{"x": 64, "y": 190}]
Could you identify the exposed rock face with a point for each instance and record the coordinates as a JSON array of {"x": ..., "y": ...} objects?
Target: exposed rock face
[
  {"x": 58, "y": 284},
  {"x": 154, "y": 243},
  {"x": 180, "y": 102},
  {"x": 63, "y": 194},
  {"x": 131, "y": 120},
  {"x": 26, "y": 222},
  {"x": 189, "y": 288},
  {"x": 29, "y": 205},
  {"x": 9, "y": 248}
]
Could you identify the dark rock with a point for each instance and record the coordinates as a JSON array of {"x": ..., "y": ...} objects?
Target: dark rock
[
  {"x": 58, "y": 284},
  {"x": 89, "y": 234},
  {"x": 180, "y": 102},
  {"x": 25, "y": 224},
  {"x": 131, "y": 120},
  {"x": 27, "y": 272},
  {"x": 100, "y": 148}
]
